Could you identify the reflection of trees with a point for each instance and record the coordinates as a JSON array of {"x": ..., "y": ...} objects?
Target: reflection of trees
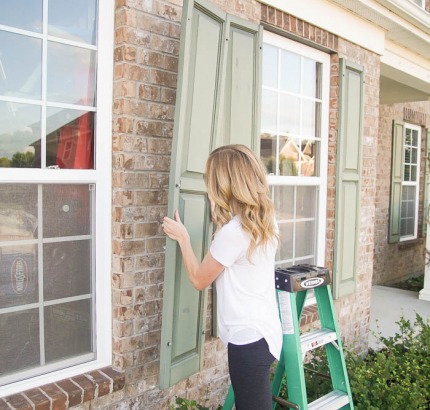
[
  {"x": 22, "y": 160},
  {"x": 4, "y": 162}
]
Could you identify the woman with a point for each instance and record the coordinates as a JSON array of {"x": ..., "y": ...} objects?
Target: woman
[{"x": 241, "y": 262}]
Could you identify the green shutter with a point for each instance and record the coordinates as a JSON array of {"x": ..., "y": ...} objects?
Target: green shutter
[
  {"x": 241, "y": 100},
  {"x": 204, "y": 100},
  {"x": 396, "y": 182},
  {"x": 426, "y": 181},
  {"x": 348, "y": 177}
]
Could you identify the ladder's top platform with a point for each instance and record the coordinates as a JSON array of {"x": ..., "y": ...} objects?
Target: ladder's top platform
[{"x": 298, "y": 278}]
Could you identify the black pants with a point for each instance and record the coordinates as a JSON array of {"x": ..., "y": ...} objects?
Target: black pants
[{"x": 249, "y": 367}]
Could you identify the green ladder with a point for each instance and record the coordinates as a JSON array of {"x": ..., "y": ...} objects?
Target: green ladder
[{"x": 292, "y": 285}]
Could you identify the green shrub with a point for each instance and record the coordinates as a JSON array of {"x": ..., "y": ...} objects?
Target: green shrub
[{"x": 396, "y": 377}]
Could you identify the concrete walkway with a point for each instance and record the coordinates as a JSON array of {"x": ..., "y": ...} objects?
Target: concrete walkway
[{"x": 388, "y": 305}]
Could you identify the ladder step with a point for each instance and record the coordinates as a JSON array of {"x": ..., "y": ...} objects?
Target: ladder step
[
  {"x": 332, "y": 401},
  {"x": 317, "y": 338}
]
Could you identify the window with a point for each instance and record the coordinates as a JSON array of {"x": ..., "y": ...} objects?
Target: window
[
  {"x": 410, "y": 182},
  {"x": 420, "y": 3},
  {"x": 54, "y": 173},
  {"x": 294, "y": 140}
]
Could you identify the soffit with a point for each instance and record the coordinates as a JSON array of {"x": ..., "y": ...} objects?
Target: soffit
[{"x": 404, "y": 23}]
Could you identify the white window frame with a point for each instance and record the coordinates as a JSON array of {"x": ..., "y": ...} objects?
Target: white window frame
[
  {"x": 101, "y": 177},
  {"x": 321, "y": 180},
  {"x": 416, "y": 183}
]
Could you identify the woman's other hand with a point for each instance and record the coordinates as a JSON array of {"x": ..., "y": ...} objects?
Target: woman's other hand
[{"x": 174, "y": 228}]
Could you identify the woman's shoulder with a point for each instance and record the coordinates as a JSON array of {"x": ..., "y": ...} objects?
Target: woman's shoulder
[{"x": 232, "y": 228}]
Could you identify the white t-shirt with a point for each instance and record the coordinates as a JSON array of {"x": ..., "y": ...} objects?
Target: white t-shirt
[{"x": 247, "y": 305}]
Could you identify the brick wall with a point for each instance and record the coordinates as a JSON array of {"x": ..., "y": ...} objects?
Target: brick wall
[
  {"x": 393, "y": 262},
  {"x": 146, "y": 61}
]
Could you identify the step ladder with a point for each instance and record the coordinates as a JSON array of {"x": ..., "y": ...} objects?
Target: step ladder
[{"x": 292, "y": 285}]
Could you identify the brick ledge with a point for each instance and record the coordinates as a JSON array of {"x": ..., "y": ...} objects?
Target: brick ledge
[{"x": 68, "y": 392}]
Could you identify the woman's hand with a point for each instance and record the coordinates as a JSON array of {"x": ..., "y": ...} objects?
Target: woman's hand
[{"x": 175, "y": 229}]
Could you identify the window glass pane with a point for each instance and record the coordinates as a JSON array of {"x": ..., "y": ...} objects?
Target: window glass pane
[
  {"x": 73, "y": 20},
  {"x": 23, "y": 14},
  {"x": 270, "y": 67},
  {"x": 311, "y": 78},
  {"x": 306, "y": 202},
  {"x": 311, "y": 119},
  {"x": 283, "y": 197},
  {"x": 414, "y": 156},
  {"x": 68, "y": 330},
  {"x": 66, "y": 210},
  {"x": 67, "y": 269},
  {"x": 289, "y": 114},
  {"x": 296, "y": 209},
  {"x": 19, "y": 335},
  {"x": 290, "y": 72},
  {"x": 18, "y": 261},
  {"x": 305, "y": 244},
  {"x": 268, "y": 152},
  {"x": 71, "y": 74},
  {"x": 70, "y": 138},
  {"x": 286, "y": 241},
  {"x": 20, "y": 66},
  {"x": 19, "y": 134},
  {"x": 269, "y": 108},
  {"x": 289, "y": 154},
  {"x": 414, "y": 138}
]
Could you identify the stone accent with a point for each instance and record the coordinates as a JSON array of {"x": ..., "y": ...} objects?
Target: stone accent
[{"x": 394, "y": 262}]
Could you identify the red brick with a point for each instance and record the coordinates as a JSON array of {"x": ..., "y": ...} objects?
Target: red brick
[
  {"x": 58, "y": 398},
  {"x": 18, "y": 401},
  {"x": 118, "y": 378},
  {"x": 4, "y": 405},
  {"x": 88, "y": 386},
  {"x": 104, "y": 384},
  {"x": 40, "y": 401},
  {"x": 74, "y": 392}
]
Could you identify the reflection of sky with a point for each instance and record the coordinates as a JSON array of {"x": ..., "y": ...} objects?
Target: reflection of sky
[
  {"x": 17, "y": 127},
  {"x": 74, "y": 20},
  {"x": 12, "y": 14}
]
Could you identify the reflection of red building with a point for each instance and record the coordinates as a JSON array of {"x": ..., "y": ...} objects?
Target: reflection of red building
[
  {"x": 75, "y": 144},
  {"x": 70, "y": 145}
]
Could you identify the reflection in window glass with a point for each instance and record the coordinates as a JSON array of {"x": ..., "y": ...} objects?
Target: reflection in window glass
[
  {"x": 270, "y": 68},
  {"x": 296, "y": 212},
  {"x": 20, "y": 66},
  {"x": 71, "y": 74},
  {"x": 268, "y": 152},
  {"x": 290, "y": 72},
  {"x": 269, "y": 111},
  {"x": 26, "y": 15},
  {"x": 19, "y": 135},
  {"x": 70, "y": 139},
  {"x": 73, "y": 20},
  {"x": 289, "y": 122}
]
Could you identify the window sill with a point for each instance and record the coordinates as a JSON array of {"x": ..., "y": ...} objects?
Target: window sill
[
  {"x": 409, "y": 243},
  {"x": 68, "y": 392}
]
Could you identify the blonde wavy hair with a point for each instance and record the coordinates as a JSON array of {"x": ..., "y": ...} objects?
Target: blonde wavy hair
[{"x": 236, "y": 183}]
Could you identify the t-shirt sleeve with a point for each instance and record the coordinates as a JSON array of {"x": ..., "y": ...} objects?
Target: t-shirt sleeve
[{"x": 229, "y": 245}]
